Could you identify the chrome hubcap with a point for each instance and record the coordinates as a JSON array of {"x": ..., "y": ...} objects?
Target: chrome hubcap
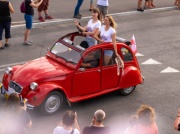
[
  {"x": 128, "y": 90},
  {"x": 52, "y": 103}
]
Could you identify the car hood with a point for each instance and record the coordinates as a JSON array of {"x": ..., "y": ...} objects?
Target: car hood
[{"x": 39, "y": 69}]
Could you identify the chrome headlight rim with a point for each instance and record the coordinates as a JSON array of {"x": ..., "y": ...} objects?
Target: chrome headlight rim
[
  {"x": 33, "y": 86},
  {"x": 8, "y": 70}
]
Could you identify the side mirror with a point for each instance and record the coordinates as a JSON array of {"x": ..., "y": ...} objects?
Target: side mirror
[{"x": 81, "y": 69}]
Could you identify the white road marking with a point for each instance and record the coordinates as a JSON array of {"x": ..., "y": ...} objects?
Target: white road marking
[
  {"x": 150, "y": 61},
  {"x": 139, "y": 55},
  {"x": 2, "y": 67},
  {"x": 170, "y": 70}
]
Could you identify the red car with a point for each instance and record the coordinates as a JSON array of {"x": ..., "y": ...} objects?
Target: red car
[{"x": 71, "y": 72}]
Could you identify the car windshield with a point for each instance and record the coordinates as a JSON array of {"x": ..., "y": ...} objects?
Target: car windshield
[{"x": 68, "y": 54}]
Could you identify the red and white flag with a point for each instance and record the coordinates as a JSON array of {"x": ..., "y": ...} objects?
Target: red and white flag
[{"x": 133, "y": 44}]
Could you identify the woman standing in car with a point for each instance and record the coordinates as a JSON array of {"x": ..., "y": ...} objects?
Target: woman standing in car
[
  {"x": 91, "y": 28},
  {"x": 108, "y": 34},
  {"x": 5, "y": 21}
]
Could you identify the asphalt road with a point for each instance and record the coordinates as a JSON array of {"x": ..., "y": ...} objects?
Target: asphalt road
[
  {"x": 157, "y": 37},
  {"x": 62, "y": 9}
]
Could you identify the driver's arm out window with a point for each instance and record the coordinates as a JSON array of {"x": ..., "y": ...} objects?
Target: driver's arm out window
[{"x": 92, "y": 59}]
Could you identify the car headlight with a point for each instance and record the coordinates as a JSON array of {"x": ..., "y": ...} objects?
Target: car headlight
[
  {"x": 33, "y": 85},
  {"x": 8, "y": 70}
]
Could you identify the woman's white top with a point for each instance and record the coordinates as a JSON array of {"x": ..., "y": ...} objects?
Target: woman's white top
[
  {"x": 106, "y": 36},
  {"x": 61, "y": 130},
  {"x": 103, "y": 2},
  {"x": 91, "y": 26}
]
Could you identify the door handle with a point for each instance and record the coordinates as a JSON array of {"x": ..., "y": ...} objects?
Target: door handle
[{"x": 99, "y": 70}]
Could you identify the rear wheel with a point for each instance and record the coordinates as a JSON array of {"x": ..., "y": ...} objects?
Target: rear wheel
[
  {"x": 52, "y": 103},
  {"x": 127, "y": 91}
]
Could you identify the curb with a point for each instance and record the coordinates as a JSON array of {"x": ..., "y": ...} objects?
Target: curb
[{"x": 36, "y": 23}]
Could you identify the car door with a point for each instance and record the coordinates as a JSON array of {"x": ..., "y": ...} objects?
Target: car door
[
  {"x": 87, "y": 78},
  {"x": 109, "y": 76}
]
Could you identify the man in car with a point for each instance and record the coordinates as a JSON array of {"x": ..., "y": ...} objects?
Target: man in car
[{"x": 91, "y": 60}]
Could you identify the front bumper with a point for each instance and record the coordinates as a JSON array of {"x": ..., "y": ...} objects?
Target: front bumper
[{"x": 6, "y": 94}]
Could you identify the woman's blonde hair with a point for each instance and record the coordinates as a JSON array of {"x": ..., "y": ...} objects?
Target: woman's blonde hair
[
  {"x": 112, "y": 22},
  {"x": 146, "y": 115}
]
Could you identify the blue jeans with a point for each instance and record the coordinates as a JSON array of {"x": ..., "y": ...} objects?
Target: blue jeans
[
  {"x": 91, "y": 41},
  {"x": 79, "y": 3}
]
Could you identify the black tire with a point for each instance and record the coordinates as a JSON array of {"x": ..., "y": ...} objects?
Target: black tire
[
  {"x": 127, "y": 91},
  {"x": 52, "y": 103}
]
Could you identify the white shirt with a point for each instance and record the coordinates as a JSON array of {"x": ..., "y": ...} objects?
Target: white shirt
[
  {"x": 61, "y": 130},
  {"x": 103, "y": 2},
  {"x": 91, "y": 26},
  {"x": 106, "y": 36}
]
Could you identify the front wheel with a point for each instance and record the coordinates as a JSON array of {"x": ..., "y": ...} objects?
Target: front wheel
[
  {"x": 52, "y": 103},
  {"x": 127, "y": 91}
]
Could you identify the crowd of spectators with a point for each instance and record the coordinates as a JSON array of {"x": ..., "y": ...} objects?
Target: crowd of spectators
[{"x": 15, "y": 120}]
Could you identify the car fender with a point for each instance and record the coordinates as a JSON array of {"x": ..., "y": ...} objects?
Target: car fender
[
  {"x": 36, "y": 97},
  {"x": 131, "y": 76}
]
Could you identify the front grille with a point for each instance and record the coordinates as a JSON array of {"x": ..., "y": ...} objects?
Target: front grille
[{"x": 15, "y": 86}]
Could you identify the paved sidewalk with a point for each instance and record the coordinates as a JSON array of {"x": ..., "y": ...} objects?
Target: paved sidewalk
[
  {"x": 63, "y": 9},
  {"x": 20, "y": 24}
]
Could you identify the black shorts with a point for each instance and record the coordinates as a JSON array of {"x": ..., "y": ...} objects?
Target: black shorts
[{"x": 7, "y": 27}]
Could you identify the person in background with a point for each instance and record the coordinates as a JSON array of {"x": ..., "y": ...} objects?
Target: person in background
[
  {"x": 91, "y": 28},
  {"x": 44, "y": 7},
  {"x": 66, "y": 125},
  {"x": 5, "y": 21},
  {"x": 145, "y": 122},
  {"x": 177, "y": 3},
  {"x": 91, "y": 5},
  {"x": 103, "y": 6},
  {"x": 16, "y": 118},
  {"x": 28, "y": 16},
  {"x": 151, "y": 4},
  {"x": 97, "y": 126},
  {"x": 108, "y": 34},
  {"x": 77, "y": 8},
  {"x": 177, "y": 121},
  {"x": 146, "y": 4},
  {"x": 139, "y": 6},
  {"x": 132, "y": 122}
]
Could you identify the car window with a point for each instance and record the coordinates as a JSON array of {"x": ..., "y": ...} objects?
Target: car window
[
  {"x": 92, "y": 59},
  {"x": 127, "y": 55},
  {"x": 109, "y": 58},
  {"x": 68, "y": 54}
]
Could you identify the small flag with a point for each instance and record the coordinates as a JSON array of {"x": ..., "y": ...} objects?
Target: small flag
[{"x": 133, "y": 44}]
